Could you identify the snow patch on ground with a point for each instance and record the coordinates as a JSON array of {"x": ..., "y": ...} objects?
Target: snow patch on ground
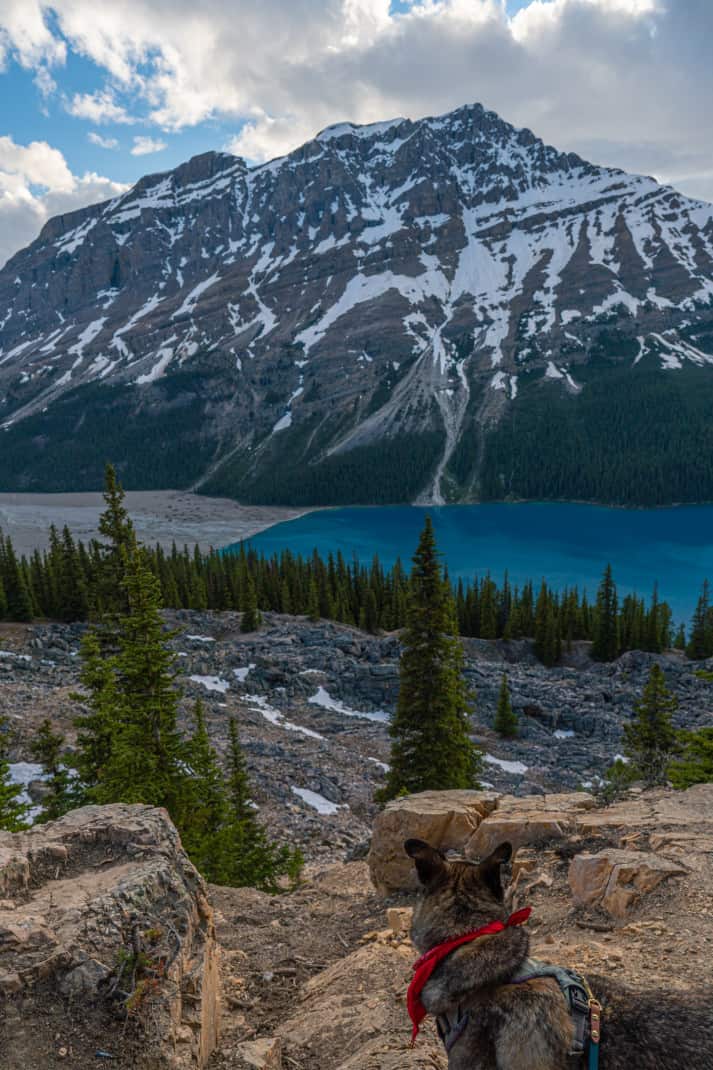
[
  {"x": 381, "y": 765},
  {"x": 508, "y": 767},
  {"x": 261, "y": 705},
  {"x": 211, "y": 683},
  {"x": 201, "y": 638},
  {"x": 564, "y": 733},
  {"x": 242, "y": 673},
  {"x": 323, "y": 698},
  {"x": 317, "y": 802}
]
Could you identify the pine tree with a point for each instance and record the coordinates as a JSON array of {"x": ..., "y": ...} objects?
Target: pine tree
[
  {"x": 431, "y": 746},
  {"x": 97, "y": 727},
  {"x": 696, "y": 763},
  {"x": 505, "y": 722},
  {"x": 110, "y": 596},
  {"x": 207, "y": 810},
  {"x": 251, "y": 618},
  {"x": 369, "y": 618},
  {"x": 605, "y": 643},
  {"x": 17, "y": 596},
  {"x": 12, "y": 810},
  {"x": 700, "y": 643},
  {"x": 241, "y": 853},
  {"x": 548, "y": 645},
  {"x": 679, "y": 643},
  {"x": 48, "y": 749},
  {"x": 146, "y": 761},
  {"x": 313, "y": 611},
  {"x": 650, "y": 738},
  {"x": 72, "y": 590}
]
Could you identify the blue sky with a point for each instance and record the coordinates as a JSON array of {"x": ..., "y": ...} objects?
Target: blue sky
[{"x": 93, "y": 95}]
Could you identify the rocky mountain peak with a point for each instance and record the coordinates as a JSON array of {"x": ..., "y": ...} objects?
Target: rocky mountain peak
[{"x": 405, "y": 283}]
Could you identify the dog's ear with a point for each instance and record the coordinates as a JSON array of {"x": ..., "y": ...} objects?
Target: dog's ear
[
  {"x": 430, "y": 863},
  {"x": 489, "y": 870}
]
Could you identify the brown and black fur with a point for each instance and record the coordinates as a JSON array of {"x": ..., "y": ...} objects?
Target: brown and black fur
[{"x": 527, "y": 1026}]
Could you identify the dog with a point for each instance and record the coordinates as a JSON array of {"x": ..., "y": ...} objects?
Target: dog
[{"x": 489, "y": 1020}]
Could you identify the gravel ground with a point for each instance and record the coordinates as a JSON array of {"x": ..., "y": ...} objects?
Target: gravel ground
[{"x": 159, "y": 516}]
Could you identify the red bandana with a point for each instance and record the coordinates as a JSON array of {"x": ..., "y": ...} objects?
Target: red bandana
[{"x": 424, "y": 967}]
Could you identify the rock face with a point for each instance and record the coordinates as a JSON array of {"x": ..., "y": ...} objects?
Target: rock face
[
  {"x": 616, "y": 880},
  {"x": 378, "y": 298},
  {"x": 445, "y": 819},
  {"x": 473, "y": 824},
  {"x": 529, "y": 821},
  {"x": 103, "y": 918}
]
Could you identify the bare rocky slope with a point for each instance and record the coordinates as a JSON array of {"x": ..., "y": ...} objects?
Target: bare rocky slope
[
  {"x": 312, "y": 702},
  {"x": 349, "y": 322}
]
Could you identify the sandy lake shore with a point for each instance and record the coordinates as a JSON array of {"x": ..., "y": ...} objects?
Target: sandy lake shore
[{"x": 160, "y": 516}]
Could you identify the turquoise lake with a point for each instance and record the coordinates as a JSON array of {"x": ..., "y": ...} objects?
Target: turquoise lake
[{"x": 567, "y": 544}]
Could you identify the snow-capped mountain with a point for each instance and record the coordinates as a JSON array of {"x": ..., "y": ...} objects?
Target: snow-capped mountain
[{"x": 379, "y": 302}]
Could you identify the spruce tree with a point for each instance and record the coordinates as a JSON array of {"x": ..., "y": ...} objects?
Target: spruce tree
[
  {"x": 146, "y": 761},
  {"x": 12, "y": 810},
  {"x": 72, "y": 591},
  {"x": 313, "y": 611},
  {"x": 251, "y": 618},
  {"x": 431, "y": 747},
  {"x": 696, "y": 763},
  {"x": 48, "y": 749},
  {"x": 650, "y": 737},
  {"x": 110, "y": 594},
  {"x": 207, "y": 809},
  {"x": 97, "y": 727},
  {"x": 17, "y": 595},
  {"x": 241, "y": 853},
  {"x": 505, "y": 723},
  {"x": 605, "y": 642},
  {"x": 700, "y": 644}
]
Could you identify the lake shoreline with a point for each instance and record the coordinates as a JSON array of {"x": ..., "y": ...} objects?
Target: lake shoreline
[{"x": 159, "y": 517}]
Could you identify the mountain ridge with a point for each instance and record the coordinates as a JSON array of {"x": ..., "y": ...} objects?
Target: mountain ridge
[{"x": 391, "y": 300}]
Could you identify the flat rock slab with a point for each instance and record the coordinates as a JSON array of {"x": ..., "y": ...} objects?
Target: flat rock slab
[{"x": 615, "y": 879}]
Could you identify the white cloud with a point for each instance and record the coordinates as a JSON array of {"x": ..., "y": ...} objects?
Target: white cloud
[
  {"x": 102, "y": 142},
  {"x": 35, "y": 184},
  {"x": 620, "y": 81},
  {"x": 99, "y": 107},
  {"x": 143, "y": 146}
]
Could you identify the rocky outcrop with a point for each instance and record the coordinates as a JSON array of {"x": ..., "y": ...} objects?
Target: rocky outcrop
[
  {"x": 350, "y": 1014},
  {"x": 103, "y": 918},
  {"x": 529, "y": 820},
  {"x": 447, "y": 819},
  {"x": 616, "y": 879}
]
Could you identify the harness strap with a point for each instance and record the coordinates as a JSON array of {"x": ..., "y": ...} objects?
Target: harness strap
[
  {"x": 451, "y": 1032},
  {"x": 584, "y": 1009}
]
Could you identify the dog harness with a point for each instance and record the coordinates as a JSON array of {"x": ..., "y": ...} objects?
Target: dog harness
[{"x": 584, "y": 1009}]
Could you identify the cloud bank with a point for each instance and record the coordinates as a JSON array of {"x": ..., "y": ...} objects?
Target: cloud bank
[{"x": 622, "y": 82}]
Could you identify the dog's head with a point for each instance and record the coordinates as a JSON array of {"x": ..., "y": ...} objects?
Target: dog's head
[{"x": 457, "y": 895}]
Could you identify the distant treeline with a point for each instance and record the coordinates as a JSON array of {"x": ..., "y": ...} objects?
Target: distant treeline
[{"x": 65, "y": 583}]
